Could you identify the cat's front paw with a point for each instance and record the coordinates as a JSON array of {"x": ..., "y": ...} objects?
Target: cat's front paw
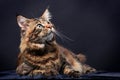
[
  {"x": 75, "y": 74},
  {"x": 87, "y": 69},
  {"x": 72, "y": 73},
  {"x": 23, "y": 69},
  {"x": 21, "y": 72}
]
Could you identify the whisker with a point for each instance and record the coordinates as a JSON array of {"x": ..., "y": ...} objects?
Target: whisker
[{"x": 62, "y": 36}]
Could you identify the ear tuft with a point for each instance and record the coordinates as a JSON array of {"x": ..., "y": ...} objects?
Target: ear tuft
[{"x": 47, "y": 15}]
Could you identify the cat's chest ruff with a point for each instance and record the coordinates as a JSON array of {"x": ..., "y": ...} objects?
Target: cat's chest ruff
[{"x": 47, "y": 61}]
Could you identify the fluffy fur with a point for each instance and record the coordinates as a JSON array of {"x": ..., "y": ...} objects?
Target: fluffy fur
[{"x": 40, "y": 54}]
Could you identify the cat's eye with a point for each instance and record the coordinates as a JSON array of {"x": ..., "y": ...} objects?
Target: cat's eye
[{"x": 40, "y": 25}]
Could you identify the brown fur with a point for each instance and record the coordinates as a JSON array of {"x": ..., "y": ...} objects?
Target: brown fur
[{"x": 40, "y": 54}]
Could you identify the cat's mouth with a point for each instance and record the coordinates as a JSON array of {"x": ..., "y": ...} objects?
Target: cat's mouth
[{"x": 47, "y": 38}]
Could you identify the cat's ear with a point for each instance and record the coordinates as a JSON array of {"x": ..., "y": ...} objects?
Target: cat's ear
[
  {"x": 22, "y": 22},
  {"x": 46, "y": 15}
]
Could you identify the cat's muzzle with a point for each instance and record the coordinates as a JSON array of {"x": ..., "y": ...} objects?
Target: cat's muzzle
[{"x": 48, "y": 37}]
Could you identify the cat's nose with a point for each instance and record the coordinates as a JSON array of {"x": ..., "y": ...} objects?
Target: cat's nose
[{"x": 48, "y": 26}]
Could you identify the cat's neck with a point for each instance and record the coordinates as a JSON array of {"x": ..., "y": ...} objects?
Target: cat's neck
[
  {"x": 46, "y": 46},
  {"x": 49, "y": 47}
]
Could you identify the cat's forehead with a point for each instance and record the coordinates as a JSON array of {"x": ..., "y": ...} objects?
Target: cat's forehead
[{"x": 39, "y": 20}]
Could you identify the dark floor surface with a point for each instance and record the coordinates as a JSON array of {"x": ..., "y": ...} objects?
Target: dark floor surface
[{"x": 100, "y": 75}]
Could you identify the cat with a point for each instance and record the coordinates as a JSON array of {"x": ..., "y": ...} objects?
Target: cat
[{"x": 40, "y": 54}]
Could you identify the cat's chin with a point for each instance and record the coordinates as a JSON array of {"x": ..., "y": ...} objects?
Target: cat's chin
[{"x": 49, "y": 37}]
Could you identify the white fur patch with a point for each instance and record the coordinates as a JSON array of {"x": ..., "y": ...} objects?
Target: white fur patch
[
  {"x": 41, "y": 45},
  {"x": 53, "y": 29}
]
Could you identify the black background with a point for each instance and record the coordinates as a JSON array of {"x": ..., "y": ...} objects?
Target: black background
[{"x": 94, "y": 25}]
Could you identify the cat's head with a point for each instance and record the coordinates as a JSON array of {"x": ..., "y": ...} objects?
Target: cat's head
[{"x": 37, "y": 30}]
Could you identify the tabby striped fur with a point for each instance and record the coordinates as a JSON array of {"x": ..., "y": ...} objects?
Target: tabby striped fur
[{"x": 40, "y": 54}]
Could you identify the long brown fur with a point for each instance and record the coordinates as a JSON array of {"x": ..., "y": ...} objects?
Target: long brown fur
[{"x": 40, "y": 54}]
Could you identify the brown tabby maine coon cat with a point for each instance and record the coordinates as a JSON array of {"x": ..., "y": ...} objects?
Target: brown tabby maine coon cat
[{"x": 40, "y": 54}]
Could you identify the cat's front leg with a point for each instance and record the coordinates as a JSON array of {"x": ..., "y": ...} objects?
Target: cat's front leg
[
  {"x": 23, "y": 69},
  {"x": 68, "y": 70}
]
